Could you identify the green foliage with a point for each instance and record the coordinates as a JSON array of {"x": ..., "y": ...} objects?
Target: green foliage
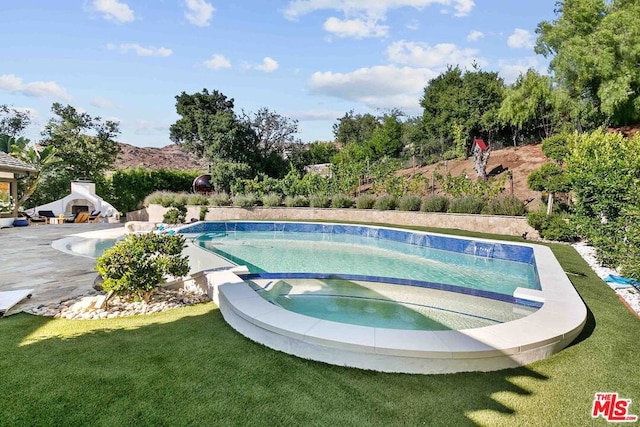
[
  {"x": 593, "y": 46},
  {"x": 219, "y": 199},
  {"x": 557, "y": 147},
  {"x": 86, "y": 145},
  {"x": 529, "y": 107},
  {"x": 386, "y": 140},
  {"x": 260, "y": 185},
  {"x": 139, "y": 263},
  {"x": 319, "y": 201},
  {"x": 129, "y": 187},
  {"x": 435, "y": 204},
  {"x": 197, "y": 200},
  {"x": 166, "y": 199},
  {"x": 296, "y": 201},
  {"x": 224, "y": 174},
  {"x": 175, "y": 215},
  {"x": 461, "y": 185},
  {"x": 365, "y": 201},
  {"x": 469, "y": 100},
  {"x": 467, "y": 204},
  {"x": 204, "y": 210},
  {"x": 244, "y": 200},
  {"x": 549, "y": 177},
  {"x": 558, "y": 227},
  {"x": 341, "y": 201},
  {"x": 12, "y": 123},
  {"x": 509, "y": 205},
  {"x": 386, "y": 202},
  {"x": 409, "y": 202},
  {"x": 355, "y": 129},
  {"x": 271, "y": 200}
]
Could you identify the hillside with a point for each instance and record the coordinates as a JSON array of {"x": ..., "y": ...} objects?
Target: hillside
[
  {"x": 521, "y": 161},
  {"x": 168, "y": 157}
]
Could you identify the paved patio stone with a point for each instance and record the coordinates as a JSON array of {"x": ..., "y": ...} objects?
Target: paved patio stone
[{"x": 27, "y": 260}]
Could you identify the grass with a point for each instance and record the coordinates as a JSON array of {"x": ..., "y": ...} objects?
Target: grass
[{"x": 188, "y": 367}]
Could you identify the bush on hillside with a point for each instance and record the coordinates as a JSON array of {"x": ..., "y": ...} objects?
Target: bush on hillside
[
  {"x": 341, "y": 201},
  {"x": 385, "y": 203},
  {"x": 511, "y": 206},
  {"x": 409, "y": 203},
  {"x": 319, "y": 201},
  {"x": 435, "y": 204},
  {"x": 365, "y": 201},
  {"x": 467, "y": 205}
]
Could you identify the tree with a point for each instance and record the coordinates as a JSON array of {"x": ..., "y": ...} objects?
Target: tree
[
  {"x": 273, "y": 131},
  {"x": 528, "y": 106},
  {"x": 386, "y": 139},
  {"x": 209, "y": 128},
  {"x": 355, "y": 128},
  {"x": 13, "y": 122},
  {"x": 470, "y": 100},
  {"x": 85, "y": 145},
  {"x": 595, "y": 56}
]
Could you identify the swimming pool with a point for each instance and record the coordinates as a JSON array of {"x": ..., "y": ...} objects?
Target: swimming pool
[{"x": 532, "y": 336}]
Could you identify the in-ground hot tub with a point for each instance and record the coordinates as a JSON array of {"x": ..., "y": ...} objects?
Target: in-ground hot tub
[{"x": 541, "y": 312}]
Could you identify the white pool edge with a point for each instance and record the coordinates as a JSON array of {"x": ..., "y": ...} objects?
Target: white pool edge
[{"x": 516, "y": 343}]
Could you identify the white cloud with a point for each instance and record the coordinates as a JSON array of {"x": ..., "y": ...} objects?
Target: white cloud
[
  {"x": 413, "y": 25},
  {"x": 199, "y": 12},
  {"x": 113, "y": 10},
  {"x": 140, "y": 50},
  {"x": 510, "y": 71},
  {"x": 315, "y": 115},
  {"x": 217, "y": 62},
  {"x": 385, "y": 86},
  {"x": 356, "y": 28},
  {"x": 100, "y": 102},
  {"x": 39, "y": 89},
  {"x": 268, "y": 65},
  {"x": 297, "y": 8},
  {"x": 475, "y": 35},
  {"x": 521, "y": 39},
  {"x": 147, "y": 127},
  {"x": 419, "y": 54}
]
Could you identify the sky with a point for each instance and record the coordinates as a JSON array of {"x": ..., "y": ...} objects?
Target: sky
[{"x": 309, "y": 60}]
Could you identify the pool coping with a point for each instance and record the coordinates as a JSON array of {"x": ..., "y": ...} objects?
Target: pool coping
[{"x": 537, "y": 336}]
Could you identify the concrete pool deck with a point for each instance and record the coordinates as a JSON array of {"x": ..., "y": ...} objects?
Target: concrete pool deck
[{"x": 28, "y": 261}]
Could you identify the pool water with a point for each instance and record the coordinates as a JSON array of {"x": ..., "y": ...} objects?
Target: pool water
[
  {"x": 91, "y": 247},
  {"x": 360, "y": 255},
  {"x": 383, "y": 305}
]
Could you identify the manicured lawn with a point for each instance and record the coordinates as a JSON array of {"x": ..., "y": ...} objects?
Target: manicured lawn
[{"x": 188, "y": 367}]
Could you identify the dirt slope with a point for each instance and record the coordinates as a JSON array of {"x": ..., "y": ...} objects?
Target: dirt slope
[
  {"x": 168, "y": 157},
  {"x": 521, "y": 161}
]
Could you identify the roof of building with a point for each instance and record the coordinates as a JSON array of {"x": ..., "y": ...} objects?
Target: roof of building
[
  {"x": 11, "y": 164},
  {"x": 481, "y": 144}
]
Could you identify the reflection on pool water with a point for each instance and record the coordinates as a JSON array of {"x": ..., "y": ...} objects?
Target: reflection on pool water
[
  {"x": 263, "y": 251},
  {"x": 92, "y": 247},
  {"x": 384, "y": 305}
]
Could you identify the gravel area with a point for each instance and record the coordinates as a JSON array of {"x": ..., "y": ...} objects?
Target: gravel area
[{"x": 629, "y": 294}]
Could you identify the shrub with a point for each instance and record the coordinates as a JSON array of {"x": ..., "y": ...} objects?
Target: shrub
[
  {"x": 175, "y": 215},
  {"x": 409, "y": 202},
  {"x": 296, "y": 201},
  {"x": 505, "y": 206},
  {"x": 467, "y": 204},
  {"x": 244, "y": 200},
  {"x": 319, "y": 201},
  {"x": 219, "y": 199},
  {"x": 385, "y": 203},
  {"x": 365, "y": 201},
  {"x": 138, "y": 263},
  {"x": 203, "y": 212},
  {"x": 271, "y": 200},
  {"x": 341, "y": 201},
  {"x": 197, "y": 200},
  {"x": 557, "y": 227},
  {"x": 435, "y": 204}
]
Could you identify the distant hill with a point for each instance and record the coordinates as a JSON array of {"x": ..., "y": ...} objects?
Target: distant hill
[{"x": 168, "y": 157}]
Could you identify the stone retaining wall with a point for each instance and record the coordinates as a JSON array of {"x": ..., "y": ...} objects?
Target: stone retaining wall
[{"x": 508, "y": 225}]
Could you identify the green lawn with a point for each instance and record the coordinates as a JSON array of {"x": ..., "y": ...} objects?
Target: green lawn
[{"x": 188, "y": 367}]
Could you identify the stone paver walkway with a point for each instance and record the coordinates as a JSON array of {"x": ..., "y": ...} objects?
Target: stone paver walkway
[{"x": 27, "y": 260}]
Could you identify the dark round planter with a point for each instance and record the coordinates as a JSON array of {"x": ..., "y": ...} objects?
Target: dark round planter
[{"x": 21, "y": 222}]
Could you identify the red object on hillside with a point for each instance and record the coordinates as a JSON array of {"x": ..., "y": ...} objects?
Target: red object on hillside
[{"x": 480, "y": 143}]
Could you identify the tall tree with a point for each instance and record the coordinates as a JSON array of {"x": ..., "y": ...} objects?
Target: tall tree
[
  {"x": 85, "y": 145},
  {"x": 594, "y": 49},
  {"x": 209, "y": 128},
  {"x": 355, "y": 128},
  {"x": 273, "y": 131},
  {"x": 528, "y": 107},
  {"x": 12, "y": 121}
]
